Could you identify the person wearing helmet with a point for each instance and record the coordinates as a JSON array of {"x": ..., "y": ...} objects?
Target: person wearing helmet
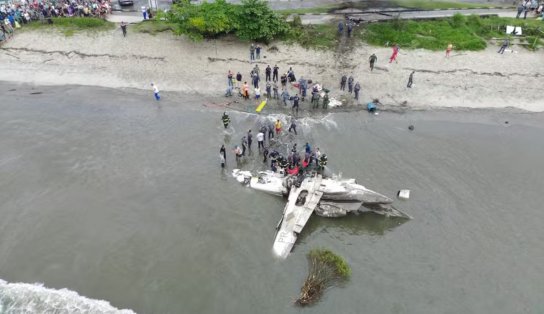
[{"x": 225, "y": 119}]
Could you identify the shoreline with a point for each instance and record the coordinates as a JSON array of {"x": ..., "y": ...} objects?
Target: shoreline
[
  {"x": 483, "y": 79},
  {"x": 219, "y": 103}
]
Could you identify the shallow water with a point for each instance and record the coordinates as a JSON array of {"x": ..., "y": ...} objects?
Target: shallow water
[{"x": 106, "y": 194}]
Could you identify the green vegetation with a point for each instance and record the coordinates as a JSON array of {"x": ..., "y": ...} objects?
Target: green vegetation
[
  {"x": 252, "y": 20},
  {"x": 69, "y": 26},
  {"x": 465, "y": 33},
  {"x": 320, "y": 36},
  {"x": 438, "y": 4},
  {"x": 326, "y": 270},
  {"x": 312, "y": 10},
  {"x": 153, "y": 27}
]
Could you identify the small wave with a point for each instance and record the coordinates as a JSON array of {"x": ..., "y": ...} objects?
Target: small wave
[{"x": 18, "y": 298}]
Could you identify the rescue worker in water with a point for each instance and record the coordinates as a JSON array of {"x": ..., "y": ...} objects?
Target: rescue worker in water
[{"x": 226, "y": 119}]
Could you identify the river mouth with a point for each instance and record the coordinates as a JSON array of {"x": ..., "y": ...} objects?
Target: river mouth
[{"x": 119, "y": 197}]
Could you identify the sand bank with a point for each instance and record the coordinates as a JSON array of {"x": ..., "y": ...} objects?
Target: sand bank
[{"x": 466, "y": 79}]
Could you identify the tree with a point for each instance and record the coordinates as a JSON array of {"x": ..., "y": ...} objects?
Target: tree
[{"x": 256, "y": 21}]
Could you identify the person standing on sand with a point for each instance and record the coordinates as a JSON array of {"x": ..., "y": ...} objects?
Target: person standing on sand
[
  {"x": 449, "y": 49},
  {"x": 275, "y": 89},
  {"x": 411, "y": 79},
  {"x": 356, "y": 90},
  {"x": 245, "y": 90},
  {"x": 343, "y": 82},
  {"x": 372, "y": 60},
  {"x": 268, "y": 90},
  {"x": 395, "y": 53},
  {"x": 156, "y": 91},
  {"x": 257, "y": 93},
  {"x": 350, "y": 84},
  {"x": 238, "y": 79},
  {"x": 124, "y": 28},
  {"x": 275, "y": 73},
  {"x": 285, "y": 96},
  {"x": 267, "y": 72},
  {"x": 258, "y": 51},
  {"x": 252, "y": 52},
  {"x": 283, "y": 80}
]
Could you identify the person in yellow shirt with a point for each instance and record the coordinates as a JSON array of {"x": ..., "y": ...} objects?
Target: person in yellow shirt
[
  {"x": 277, "y": 125},
  {"x": 449, "y": 49}
]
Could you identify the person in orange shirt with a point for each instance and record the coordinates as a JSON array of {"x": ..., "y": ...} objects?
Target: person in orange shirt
[{"x": 245, "y": 90}]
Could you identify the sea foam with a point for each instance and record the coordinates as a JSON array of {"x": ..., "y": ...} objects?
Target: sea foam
[{"x": 18, "y": 298}]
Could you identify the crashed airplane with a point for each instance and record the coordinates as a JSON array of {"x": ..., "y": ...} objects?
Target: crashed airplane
[{"x": 327, "y": 197}]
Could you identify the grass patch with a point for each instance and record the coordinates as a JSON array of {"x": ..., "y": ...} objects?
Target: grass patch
[
  {"x": 153, "y": 27},
  {"x": 313, "y": 10},
  {"x": 465, "y": 33},
  {"x": 326, "y": 269},
  {"x": 319, "y": 36},
  {"x": 69, "y": 26},
  {"x": 438, "y": 4}
]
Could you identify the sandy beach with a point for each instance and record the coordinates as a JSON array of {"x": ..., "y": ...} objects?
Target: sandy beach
[{"x": 467, "y": 79}]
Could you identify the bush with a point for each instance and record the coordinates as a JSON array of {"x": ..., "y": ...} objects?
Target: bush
[
  {"x": 458, "y": 20},
  {"x": 256, "y": 21},
  {"x": 326, "y": 270},
  {"x": 206, "y": 20},
  {"x": 252, "y": 20}
]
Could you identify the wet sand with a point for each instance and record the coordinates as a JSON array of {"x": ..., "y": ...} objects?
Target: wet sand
[{"x": 467, "y": 79}]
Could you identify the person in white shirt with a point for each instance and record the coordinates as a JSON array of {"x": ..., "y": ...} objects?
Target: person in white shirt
[
  {"x": 260, "y": 140},
  {"x": 156, "y": 91}
]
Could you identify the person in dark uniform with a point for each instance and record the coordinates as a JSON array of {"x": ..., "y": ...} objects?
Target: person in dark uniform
[
  {"x": 343, "y": 81},
  {"x": 223, "y": 156},
  {"x": 372, "y": 60},
  {"x": 225, "y": 119},
  {"x": 267, "y": 72},
  {"x": 244, "y": 145},
  {"x": 411, "y": 79},
  {"x": 295, "y": 103},
  {"x": 275, "y": 73},
  {"x": 249, "y": 139},
  {"x": 293, "y": 126},
  {"x": 356, "y": 90},
  {"x": 265, "y": 154},
  {"x": 322, "y": 161},
  {"x": 350, "y": 84}
]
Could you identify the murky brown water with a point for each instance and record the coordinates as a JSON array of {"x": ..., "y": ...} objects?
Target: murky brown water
[{"x": 104, "y": 193}]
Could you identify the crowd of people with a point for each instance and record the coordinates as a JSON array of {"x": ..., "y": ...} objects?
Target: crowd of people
[
  {"x": 15, "y": 14},
  {"x": 290, "y": 164},
  {"x": 533, "y": 6}
]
